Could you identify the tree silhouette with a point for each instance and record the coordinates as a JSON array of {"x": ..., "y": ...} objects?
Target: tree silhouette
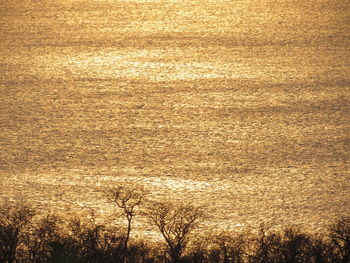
[
  {"x": 13, "y": 223},
  {"x": 340, "y": 238},
  {"x": 126, "y": 199},
  {"x": 41, "y": 239},
  {"x": 175, "y": 223}
]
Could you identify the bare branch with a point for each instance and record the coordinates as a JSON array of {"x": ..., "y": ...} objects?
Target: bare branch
[
  {"x": 175, "y": 224},
  {"x": 127, "y": 199}
]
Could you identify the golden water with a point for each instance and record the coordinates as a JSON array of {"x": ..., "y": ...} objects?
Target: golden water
[{"x": 242, "y": 106}]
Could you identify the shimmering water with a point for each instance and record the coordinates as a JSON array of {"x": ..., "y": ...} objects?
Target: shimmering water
[{"x": 242, "y": 106}]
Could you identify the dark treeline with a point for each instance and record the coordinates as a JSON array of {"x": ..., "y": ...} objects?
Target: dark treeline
[{"x": 29, "y": 238}]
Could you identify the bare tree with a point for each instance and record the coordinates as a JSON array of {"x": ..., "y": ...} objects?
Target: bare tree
[
  {"x": 126, "y": 199},
  {"x": 42, "y": 236},
  {"x": 288, "y": 246},
  {"x": 87, "y": 236},
  {"x": 340, "y": 239},
  {"x": 232, "y": 247},
  {"x": 175, "y": 223},
  {"x": 13, "y": 224},
  {"x": 268, "y": 246}
]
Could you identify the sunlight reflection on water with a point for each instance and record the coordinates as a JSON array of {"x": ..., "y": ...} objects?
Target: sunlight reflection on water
[
  {"x": 226, "y": 104},
  {"x": 143, "y": 64}
]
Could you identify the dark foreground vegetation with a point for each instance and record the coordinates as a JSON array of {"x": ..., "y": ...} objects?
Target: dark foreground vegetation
[{"x": 27, "y": 237}]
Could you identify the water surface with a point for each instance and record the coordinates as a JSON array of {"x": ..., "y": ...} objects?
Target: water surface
[{"x": 242, "y": 106}]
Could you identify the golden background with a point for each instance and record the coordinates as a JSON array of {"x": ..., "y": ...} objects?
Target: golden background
[{"x": 241, "y": 106}]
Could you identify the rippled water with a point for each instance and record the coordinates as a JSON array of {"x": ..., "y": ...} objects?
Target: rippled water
[{"x": 242, "y": 106}]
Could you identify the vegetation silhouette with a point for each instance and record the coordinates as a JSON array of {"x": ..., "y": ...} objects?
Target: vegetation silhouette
[
  {"x": 14, "y": 222},
  {"x": 27, "y": 236},
  {"x": 127, "y": 199},
  {"x": 175, "y": 223}
]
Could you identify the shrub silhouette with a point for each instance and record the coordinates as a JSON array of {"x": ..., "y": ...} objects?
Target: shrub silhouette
[
  {"x": 339, "y": 234},
  {"x": 39, "y": 242},
  {"x": 14, "y": 222},
  {"x": 288, "y": 246},
  {"x": 296, "y": 246},
  {"x": 268, "y": 247},
  {"x": 321, "y": 250},
  {"x": 25, "y": 238},
  {"x": 232, "y": 248}
]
